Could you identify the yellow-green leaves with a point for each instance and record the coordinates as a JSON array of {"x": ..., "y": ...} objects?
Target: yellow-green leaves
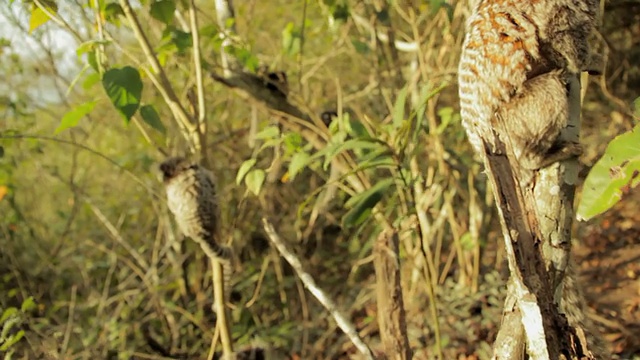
[
  {"x": 362, "y": 204},
  {"x": 291, "y": 39},
  {"x": 253, "y": 178},
  {"x": 298, "y": 162},
  {"x": 40, "y": 14},
  {"x": 613, "y": 176},
  {"x": 73, "y": 117}
]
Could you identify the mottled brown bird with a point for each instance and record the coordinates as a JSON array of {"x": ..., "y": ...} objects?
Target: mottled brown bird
[
  {"x": 191, "y": 197},
  {"x": 508, "y": 45},
  {"x": 512, "y": 80}
]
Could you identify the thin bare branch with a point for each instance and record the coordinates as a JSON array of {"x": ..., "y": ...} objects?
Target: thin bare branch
[
  {"x": 222, "y": 322},
  {"x": 345, "y": 325},
  {"x": 405, "y": 46},
  {"x": 197, "y": 63}
]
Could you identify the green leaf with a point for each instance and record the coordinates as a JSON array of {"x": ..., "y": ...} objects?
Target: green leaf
[
  {"x": 92, "y": 60},
  {"x": 90, "y": 45},
  {"x": 28, "y": 304},
  {"x": 39, "y": 16},
  {"x": 124, "y": 88},
  {"x": 361, "y": 47},
  {"x": 298, "y": 162},
  {"x": 357, "y": 130},
  {"x": 613, "y": 176},
  {"x": 73, "y": 117},
  {"x": 112, "y": 11},
  {"x": 9, "y": 312},
  {"x": 163, "y": 10},
  {"x": 12, "y": 340},
  {"x": 447, "y": 116},
  {"x": 377, "y": 158},
  {"x": 90, "y": 80},
  {"x": 269, "y": 132},
  {"x": 243, "y": 55},
  {"x": 341, "y": 12},
  {"x": 254, "y": 180},
  {"x": 291, "y": 39},
  {"x": 398, "y": 108},
  {"x": 151, "y": 117},
  {"x": 175, "y": 40},
  {"x": 244, "y": 169},
  {"x": 467, "y": 242},
  {"x": 292, "y": 141},
  {"x": 363, "y": 203},
  {"x": 354, "y": 144}
]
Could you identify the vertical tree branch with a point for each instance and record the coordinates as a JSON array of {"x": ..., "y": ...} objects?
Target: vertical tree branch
[
  {"x": 391, "y": 313},
  {"x": 222, "y": 321},
  {"x": 552, "y": 199},
  {"x": 529, "y": 290},
  {"x": 197, "y": 64},
  {"x": 100, "y": 53},
  {"x": 226, "y": 22},
  {"x": 544, "y": 215}
]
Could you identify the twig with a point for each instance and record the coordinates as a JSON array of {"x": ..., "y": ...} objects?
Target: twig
[
  {"x": 197, "y": 64},
  {"x": 344, "y": 324},
  {"x": 256, "y": 292},
  {"x": 302, "y": 42},
  {"x": 222, "y": 322},
  {"x": 115, "y": 234},
  {"x": 100, "y": 53},
  {"x": 69, "y": 327},
  {"x": 399, "y": 44},
  {"x": 424, "y": 201},
  {"x": 214, "y": 342}
]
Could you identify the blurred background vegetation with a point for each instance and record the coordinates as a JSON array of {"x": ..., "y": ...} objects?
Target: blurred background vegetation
[{"x": 92, "y": 266}]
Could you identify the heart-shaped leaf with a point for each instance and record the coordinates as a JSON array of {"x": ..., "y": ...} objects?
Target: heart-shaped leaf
[{"x": 124, "y": 88}]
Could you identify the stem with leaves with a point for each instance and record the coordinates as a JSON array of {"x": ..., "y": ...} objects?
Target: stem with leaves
[{"x": 160, "y": 79}]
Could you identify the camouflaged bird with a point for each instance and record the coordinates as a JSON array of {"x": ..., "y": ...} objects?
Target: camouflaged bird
[
  {"x": 191, "y": 197},
  {"x": 509, "y": 44},
  {"x": 516, "y": 59}
]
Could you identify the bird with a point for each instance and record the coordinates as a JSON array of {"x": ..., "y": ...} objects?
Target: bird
[{"x": 191, "y": 198}]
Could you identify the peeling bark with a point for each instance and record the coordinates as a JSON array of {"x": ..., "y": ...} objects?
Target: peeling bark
[{"x": 391, "y": 314}]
